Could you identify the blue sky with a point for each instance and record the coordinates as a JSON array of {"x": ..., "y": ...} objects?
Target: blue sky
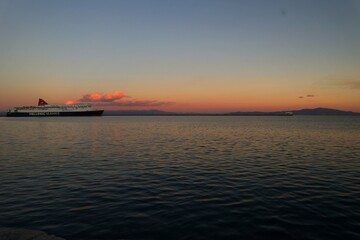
[{"x": 192, "y": 53}]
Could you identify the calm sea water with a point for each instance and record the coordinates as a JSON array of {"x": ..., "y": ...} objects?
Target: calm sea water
[{"x": 182, "y": 177}]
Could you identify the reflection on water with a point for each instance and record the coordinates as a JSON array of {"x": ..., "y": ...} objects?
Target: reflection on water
[{"x": 182, "y": 177}]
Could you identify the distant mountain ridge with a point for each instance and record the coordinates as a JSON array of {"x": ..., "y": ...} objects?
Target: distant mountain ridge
[
  {"x": 310, "y": 112},
  {"x": 313, "y": 112},
  {"x": 137, "y": 112},
  {"x": 324, "y": 111}
]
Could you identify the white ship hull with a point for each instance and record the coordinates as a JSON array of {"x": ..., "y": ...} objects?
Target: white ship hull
[
  {"x": 46, "y": 110},
  {"x": 55, "y": 114}
]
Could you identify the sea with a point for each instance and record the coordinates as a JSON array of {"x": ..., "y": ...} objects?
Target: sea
[{"x": 182, "y": 177}]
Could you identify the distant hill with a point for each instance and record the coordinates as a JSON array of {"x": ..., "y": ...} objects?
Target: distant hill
[
  {"x": 310, "y": 112},
  {"x": 136, "y": 113},
  {"x": 282, "y": 113},
  {"x": 313, "y": 112},
  {"x": 324, "y": 111}
]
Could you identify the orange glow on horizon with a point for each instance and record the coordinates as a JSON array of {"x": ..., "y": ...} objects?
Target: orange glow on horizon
[{"x": 201, "y": 102}]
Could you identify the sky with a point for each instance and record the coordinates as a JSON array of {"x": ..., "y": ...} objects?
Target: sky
[{"x": 181, "y": 56}]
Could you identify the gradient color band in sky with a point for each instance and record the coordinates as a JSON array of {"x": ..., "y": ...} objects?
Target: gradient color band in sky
[{"x": 206, "y": 56}]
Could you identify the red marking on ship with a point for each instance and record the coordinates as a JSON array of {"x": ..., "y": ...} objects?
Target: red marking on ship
[{"x": 42, "y": 102}]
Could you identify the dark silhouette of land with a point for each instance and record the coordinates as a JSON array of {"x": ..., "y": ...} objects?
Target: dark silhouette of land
[
  {"x": 310, "y": 112},
  {"x": 315, "y": 111}
]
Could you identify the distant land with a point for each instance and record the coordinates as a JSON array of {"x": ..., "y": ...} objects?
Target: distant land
[
  {"x": 314, "y": 111},
  {"x": 310, "y": 112}
]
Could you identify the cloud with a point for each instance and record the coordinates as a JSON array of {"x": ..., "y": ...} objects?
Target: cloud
[
  {"x": 350, "y": 82},
  {"x": 117, "y": 98},
  {"x": 98, "y": 97},
  {"x": 354, "y": 84},
  {"x": 308, "y": 96}
]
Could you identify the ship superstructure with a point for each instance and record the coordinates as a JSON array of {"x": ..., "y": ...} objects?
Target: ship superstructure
[{"x": 46, "y": 110}]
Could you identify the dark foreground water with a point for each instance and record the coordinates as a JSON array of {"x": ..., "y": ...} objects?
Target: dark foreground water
[{"x": 182, "y": 177}]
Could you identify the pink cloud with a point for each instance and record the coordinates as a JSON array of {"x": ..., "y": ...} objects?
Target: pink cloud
[
  {"x": 117, "y": 98},
  {"x": 70, "y": 102},
  {"x": 98, "y": 97}
]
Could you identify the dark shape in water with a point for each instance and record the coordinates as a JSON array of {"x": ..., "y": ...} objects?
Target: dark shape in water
[{"x": 25, "y": 234}]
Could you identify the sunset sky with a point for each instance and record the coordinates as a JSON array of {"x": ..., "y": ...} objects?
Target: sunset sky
[{"x": 184, "y": 56}]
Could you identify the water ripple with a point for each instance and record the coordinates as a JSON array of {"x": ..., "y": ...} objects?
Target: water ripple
[{"x": 182, "y": 177}]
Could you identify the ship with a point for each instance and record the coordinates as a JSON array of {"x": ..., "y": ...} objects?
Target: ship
[{"x": 43, "y": 109}]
